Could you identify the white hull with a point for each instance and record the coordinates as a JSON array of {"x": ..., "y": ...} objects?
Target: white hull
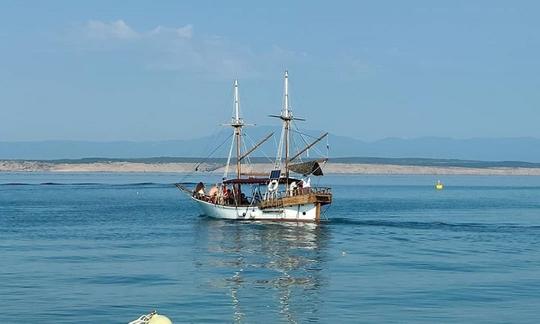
[{"x": 298, "y": 213}]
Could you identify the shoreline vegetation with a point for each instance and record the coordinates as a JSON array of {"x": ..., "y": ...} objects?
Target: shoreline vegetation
[{"x": 379, "y": 166}]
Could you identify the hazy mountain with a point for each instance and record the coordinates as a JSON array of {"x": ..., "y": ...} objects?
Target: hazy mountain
[{"x": 487, "y": 149}]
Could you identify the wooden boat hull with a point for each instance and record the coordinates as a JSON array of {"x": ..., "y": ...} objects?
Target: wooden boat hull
[{"x": 309, "y": 212}]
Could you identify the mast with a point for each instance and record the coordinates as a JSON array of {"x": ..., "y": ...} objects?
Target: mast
[
  {"x": 285, "y": 116},
  {"x": 237, "y": 123},
  {"x": 285, "y": 141}
]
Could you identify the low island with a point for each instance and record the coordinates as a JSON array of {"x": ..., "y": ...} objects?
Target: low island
[{"x": 260, "y": 167}]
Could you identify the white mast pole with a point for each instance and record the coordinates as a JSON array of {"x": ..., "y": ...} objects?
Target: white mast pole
[
  {"x": 237, "y": 124},
  {"x": 286, "y": 103},
  {"x": 285, "y": 117},
  {"x": 286, "y": 120},
  {"x": 236, "y": 103}
]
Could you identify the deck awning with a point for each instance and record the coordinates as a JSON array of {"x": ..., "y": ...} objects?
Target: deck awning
[
  {"x": 307, "y": 168},
  {"x": 261, "y": 181}
]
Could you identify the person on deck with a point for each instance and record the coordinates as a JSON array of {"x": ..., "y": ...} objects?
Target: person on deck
[{"x": 306, "y": 184}]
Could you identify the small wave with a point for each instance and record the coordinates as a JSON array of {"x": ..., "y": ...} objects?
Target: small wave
[
  {"x": 151, "y": 184},
  {"x": 49, "y": 184},
  {"x": 459, "y": 227},
  {"x": 136, "y": 184},
  {"x": 15, "y": 184},
  {"x": 70, "y": 184},
  {"x": 147, "y": 184}
]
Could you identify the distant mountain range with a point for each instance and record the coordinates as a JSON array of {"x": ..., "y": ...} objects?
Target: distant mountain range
[{"x": 477, "y": 149}]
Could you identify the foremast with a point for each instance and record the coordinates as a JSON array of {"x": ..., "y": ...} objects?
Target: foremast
[{"x": 237, "y": 123}]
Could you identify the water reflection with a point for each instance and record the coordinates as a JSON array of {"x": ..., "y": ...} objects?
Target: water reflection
[{"x": 279, "y": 265}]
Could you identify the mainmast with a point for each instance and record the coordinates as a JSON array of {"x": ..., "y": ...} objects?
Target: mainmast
[{"x": 286, "y": 117}]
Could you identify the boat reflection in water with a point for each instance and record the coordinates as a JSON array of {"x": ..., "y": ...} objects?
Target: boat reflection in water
[{"x": 267, "y": 269}]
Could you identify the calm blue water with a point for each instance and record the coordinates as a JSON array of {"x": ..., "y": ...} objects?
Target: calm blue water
[{"x": 106, "y": 248}]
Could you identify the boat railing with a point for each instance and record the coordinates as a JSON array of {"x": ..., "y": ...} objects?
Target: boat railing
[
  {"x": 309, "y": 190},
  {"x": 281, "y": 198},
  {"x": 275, "y": 199}
]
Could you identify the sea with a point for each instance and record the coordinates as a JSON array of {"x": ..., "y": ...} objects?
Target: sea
[{"x": 109, "y": 247}]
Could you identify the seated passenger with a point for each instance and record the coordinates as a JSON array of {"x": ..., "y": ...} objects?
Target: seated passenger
[
  {"x": 229, "y": 197},
  {"x": 243, "y": 199}
]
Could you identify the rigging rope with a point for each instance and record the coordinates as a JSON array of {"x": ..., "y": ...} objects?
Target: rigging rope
[
  {"x": 212, "y": 153},
  {"x": 248, "y": 158},
  {"x": 260, "y": 148},
  {"x": 297, "y": 131},
  {"x": 183, "y": 179}
]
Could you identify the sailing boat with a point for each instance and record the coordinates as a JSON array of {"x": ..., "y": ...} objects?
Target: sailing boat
[{"x": 276, "y": 197}]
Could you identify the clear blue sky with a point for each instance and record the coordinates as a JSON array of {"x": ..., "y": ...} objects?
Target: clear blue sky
[{"x": 154, "y": 70}]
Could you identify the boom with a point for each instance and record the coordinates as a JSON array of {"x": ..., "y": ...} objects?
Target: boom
[
  {"x": 255, "y": 147},
  {"x": 308, "y": 147}
]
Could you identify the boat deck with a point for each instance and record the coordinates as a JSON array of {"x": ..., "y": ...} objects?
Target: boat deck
[{"x": 314, "y": 195}]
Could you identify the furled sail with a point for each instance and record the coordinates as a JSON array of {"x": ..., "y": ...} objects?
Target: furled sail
[{"x": 307, "y": 168}]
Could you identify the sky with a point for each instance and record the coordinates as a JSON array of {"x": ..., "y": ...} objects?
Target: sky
[{"x": 160, "y": 70}]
